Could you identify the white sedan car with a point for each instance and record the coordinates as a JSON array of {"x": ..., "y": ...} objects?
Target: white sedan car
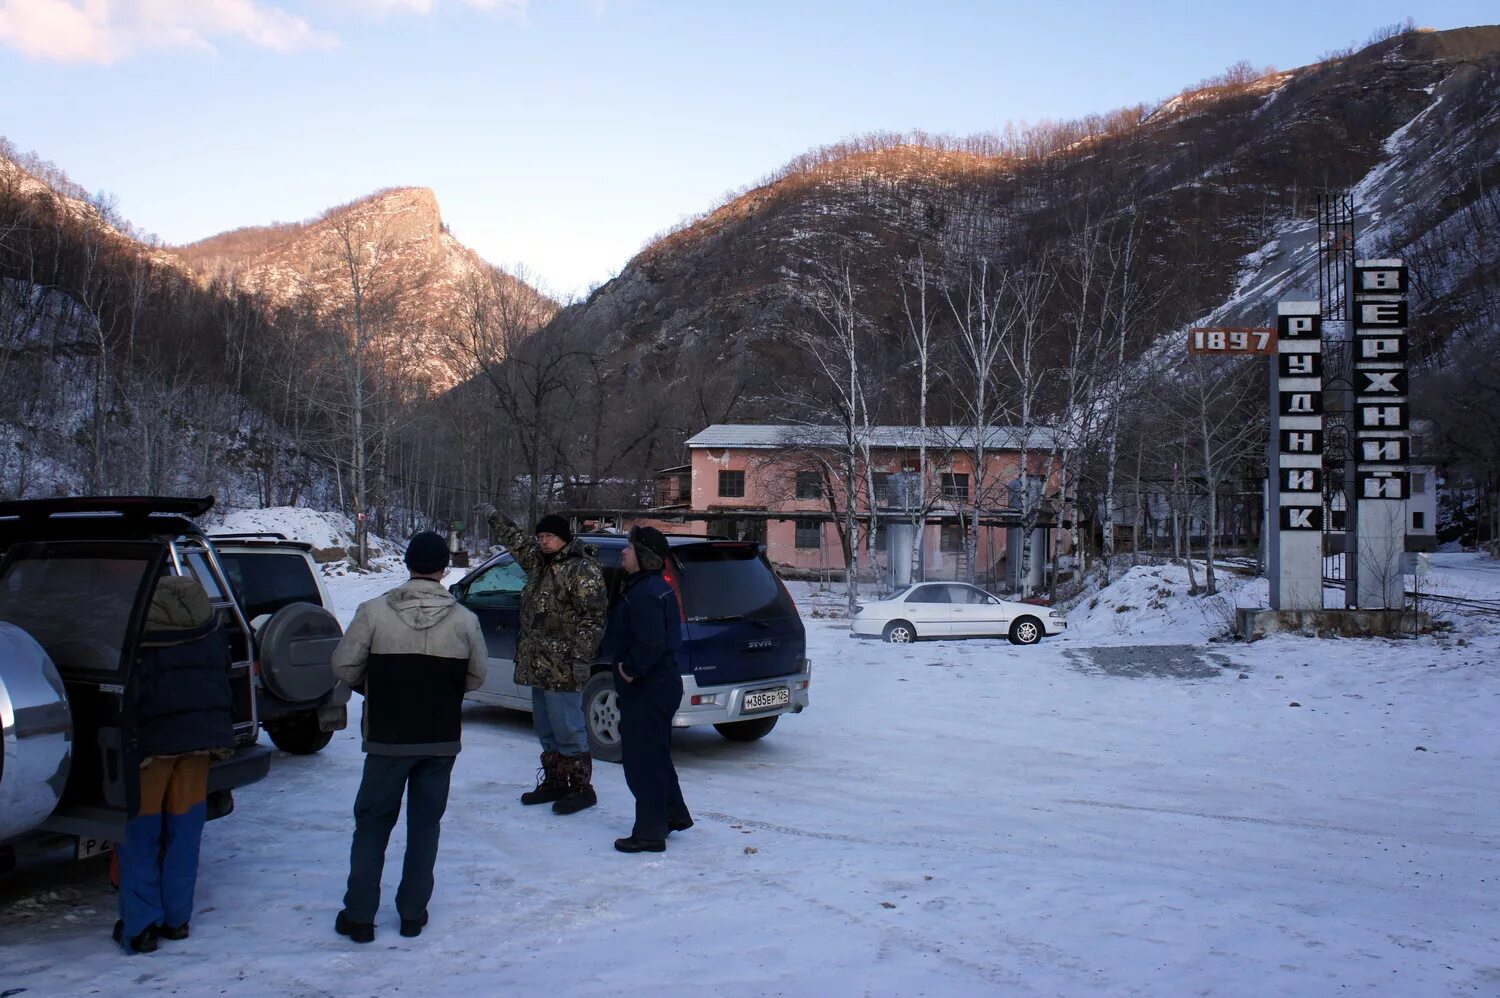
[{"x": 954, "y": 610}]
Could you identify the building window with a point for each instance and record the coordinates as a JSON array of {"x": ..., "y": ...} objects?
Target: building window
[
  {"x": 809, "y": 534},
  {"x": 1419, "y": 521},
  {"x": 685, "y": 488},
  {"x": 809, "y": 485},
  {"x": 955, "y": 487},
  {"x": 732, "y": 484},
  {"x": 1418, "y": 483},
  {"x": 882, "y": 487},
  {"x": 952, "y": 540}
]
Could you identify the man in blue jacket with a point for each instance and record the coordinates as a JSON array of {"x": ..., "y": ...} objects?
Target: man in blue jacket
[{"x": 645, "y": 632}]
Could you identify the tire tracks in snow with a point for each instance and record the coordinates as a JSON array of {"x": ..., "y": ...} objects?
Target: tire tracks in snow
[{"x": 1315, "y": 826}]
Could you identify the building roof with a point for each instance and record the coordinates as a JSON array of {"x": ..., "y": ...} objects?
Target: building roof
[{"x": 764, "y": 436}]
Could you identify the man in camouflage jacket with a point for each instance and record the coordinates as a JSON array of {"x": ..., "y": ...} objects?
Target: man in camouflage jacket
[{"x": 563, "y": 607}]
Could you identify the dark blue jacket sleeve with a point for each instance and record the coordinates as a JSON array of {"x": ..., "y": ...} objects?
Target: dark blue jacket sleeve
[{"x": 651, "y": 632}]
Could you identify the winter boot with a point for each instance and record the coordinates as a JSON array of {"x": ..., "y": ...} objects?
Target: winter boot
[
  {"x": 580, "y": 771},
  {"x": 412, "y": 927},
  {"x": 552, "y": 781},
  {"x": 632, "y": 844},
  {"x": 143, "y": 943},
  {"x": 175, "y": 932},
  {"x": 360, "y": 932}
]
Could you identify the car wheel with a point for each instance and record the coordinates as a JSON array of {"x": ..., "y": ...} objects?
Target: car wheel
[
  {"x": 1025, "y": 631},
  {"x": 298, "y": 734},
  {"x": 601, "y": 715},
  {"x": 746, "y": 731},
  {"x": 899, "y": 632}
]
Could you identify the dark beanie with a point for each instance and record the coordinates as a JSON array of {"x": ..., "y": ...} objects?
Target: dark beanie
[
  {"x": 556, "y": 526},
  {"x": 651, "y": 540},
  {"x": 427, "y": 553}
]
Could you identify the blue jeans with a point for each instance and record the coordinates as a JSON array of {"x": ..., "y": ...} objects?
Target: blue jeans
[
  {"x": 557, "y": 716},
  {"x": 159, "y": 855},
  {"x": 424, "y": 779}
]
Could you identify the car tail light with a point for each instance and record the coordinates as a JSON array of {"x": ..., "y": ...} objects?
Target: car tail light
[{"x": 671, "y": 579}]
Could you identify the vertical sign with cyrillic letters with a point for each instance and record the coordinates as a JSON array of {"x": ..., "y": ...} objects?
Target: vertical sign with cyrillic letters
[
  {"x": 1382, "y": 421},
  {"x": 1295, "y": 548}
]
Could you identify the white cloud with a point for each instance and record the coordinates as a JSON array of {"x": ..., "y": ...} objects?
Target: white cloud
[
  {"x": 381, "y": 7},
  {"x": 102, "y": 31}
]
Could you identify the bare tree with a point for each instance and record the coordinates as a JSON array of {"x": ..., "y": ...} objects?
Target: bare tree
[
  {"x": 921, "y": 324},
  {"x": 983, "y": 319},
  {"x": 835, "y": 341},
  {"x": 531, "y": 369}
]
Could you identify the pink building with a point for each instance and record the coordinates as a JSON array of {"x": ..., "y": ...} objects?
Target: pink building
[{"x": 784, "y": 486}]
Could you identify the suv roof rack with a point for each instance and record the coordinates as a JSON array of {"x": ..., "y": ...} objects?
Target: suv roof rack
[
  {"x": 41, "y": 509},
  {"x": 248, "y": 535},
  {"x": 625, "y": 534}
]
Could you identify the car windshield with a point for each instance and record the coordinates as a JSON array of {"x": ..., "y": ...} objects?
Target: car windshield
[
  {"x": 501, "y": 582},
  {"x": 721, "y": 581},
  {"x": 266, "y": 581},
  {"x": 77, "y": 608}
]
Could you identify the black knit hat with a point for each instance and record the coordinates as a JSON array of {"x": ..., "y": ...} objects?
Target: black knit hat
[
  {"x": 556, "y": 526},
  {"x": 427, "y": 553},
  {"x": 650, "y": 539}
]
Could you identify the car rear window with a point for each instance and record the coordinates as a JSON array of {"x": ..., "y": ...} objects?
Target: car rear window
[
  {"x": 78, "y": 609},
  {"x": 729, "y": 580},
  {"x": 264, "y": 582}
]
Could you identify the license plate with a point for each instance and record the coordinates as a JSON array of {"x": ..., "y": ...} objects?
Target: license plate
[
  {"x": 767, "y": 699},
  {"x": 93, "y": 847}
]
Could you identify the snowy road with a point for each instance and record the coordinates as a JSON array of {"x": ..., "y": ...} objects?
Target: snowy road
[{"x": 947, "y": 819}]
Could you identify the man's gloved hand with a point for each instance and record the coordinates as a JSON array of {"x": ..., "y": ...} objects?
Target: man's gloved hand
[{"x": 493, "y": 516}]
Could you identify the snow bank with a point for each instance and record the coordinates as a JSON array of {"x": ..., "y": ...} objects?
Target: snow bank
[
  {"x": 330, "y": 534},
  {"x": 1152, "y": 604}
]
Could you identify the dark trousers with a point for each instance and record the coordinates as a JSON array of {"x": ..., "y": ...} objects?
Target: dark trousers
[
  {"x": 424, "y": 779},
  {"x": 646, "y": 709}
]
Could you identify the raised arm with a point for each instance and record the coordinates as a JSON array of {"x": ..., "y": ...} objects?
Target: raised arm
[{"x": 521, "y": 545}]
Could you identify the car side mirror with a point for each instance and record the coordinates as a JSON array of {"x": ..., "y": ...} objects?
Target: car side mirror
[
  {"x": 459, "y": 590},
  {"x": 992, "y": 601}
]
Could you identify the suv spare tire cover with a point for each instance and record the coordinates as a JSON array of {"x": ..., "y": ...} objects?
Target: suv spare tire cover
[
  {"x": 36, "y": 733},
  {"x": 296, "y": 651}
]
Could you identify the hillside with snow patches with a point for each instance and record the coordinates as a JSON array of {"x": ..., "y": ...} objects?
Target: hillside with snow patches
[{"x": 1218, "y": 186}]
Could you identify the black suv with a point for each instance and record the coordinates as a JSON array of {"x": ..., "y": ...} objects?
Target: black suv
[
  {"x": 75, "y": 581},
  {"x": 744, "y": 650}
]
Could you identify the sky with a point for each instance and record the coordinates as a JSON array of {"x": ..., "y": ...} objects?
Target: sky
[{"x": 561, "y": 135}]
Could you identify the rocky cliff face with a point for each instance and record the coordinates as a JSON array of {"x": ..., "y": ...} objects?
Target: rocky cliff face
[{"x": 414, "y": 281}]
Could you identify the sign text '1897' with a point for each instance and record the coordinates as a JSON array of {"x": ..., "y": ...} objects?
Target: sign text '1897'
[{"x": 1231, "y": 340}]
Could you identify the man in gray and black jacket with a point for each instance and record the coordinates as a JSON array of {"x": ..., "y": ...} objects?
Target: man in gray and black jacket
[{"x": 413, "y": 653}]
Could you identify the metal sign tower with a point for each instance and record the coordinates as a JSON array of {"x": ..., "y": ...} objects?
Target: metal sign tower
[{"x": 1340, "y": 495}]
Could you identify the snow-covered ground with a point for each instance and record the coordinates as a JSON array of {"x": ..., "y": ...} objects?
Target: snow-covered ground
[{"x": 1088, "y": 816}]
